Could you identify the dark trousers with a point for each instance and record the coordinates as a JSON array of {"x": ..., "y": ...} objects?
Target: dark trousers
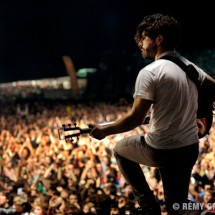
[{"x": 175, "y": 167}]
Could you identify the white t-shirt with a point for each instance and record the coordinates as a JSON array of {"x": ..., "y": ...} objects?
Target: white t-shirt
[{"x": 173, "y": 112}]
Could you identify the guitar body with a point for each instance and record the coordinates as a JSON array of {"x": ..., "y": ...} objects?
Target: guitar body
[
  {"x": 204, "y": 125},
  {"x": 206, "y": 98}
]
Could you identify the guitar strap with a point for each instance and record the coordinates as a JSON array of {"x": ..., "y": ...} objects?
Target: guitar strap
[{"x": 190, "y": 70}]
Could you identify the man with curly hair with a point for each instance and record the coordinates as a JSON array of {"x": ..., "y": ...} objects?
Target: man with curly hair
[{"x": 171, "y": 144}]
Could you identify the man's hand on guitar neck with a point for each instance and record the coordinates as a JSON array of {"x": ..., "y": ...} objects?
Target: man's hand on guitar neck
[{"x": 97, "y": 131}]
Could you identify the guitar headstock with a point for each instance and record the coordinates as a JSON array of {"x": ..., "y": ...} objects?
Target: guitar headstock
[{"x": 69, "y": 131}]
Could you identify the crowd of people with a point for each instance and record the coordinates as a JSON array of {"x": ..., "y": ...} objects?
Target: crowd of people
[{"x": 41, "y": 173}]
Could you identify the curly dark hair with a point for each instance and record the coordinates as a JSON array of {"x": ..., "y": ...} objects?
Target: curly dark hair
[{"x": 159, "y": 24}]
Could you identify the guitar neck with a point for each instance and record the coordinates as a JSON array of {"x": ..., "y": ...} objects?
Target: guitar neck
[
  {"x": 70, "y": 132},
  {"x": 85, "y": 130},
  {"x": 88, "y": 130}
]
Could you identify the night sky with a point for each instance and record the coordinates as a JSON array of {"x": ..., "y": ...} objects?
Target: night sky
[{"x": 34, "y": 34}]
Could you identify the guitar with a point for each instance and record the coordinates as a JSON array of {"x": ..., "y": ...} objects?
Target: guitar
[{"x": 67, "y": 131}]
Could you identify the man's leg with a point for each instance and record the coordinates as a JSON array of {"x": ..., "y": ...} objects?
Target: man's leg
[
  {"x": 175, "y": 184},
  {"x": 129, "y": 153},
  {"x": 176, "y": 178}
]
